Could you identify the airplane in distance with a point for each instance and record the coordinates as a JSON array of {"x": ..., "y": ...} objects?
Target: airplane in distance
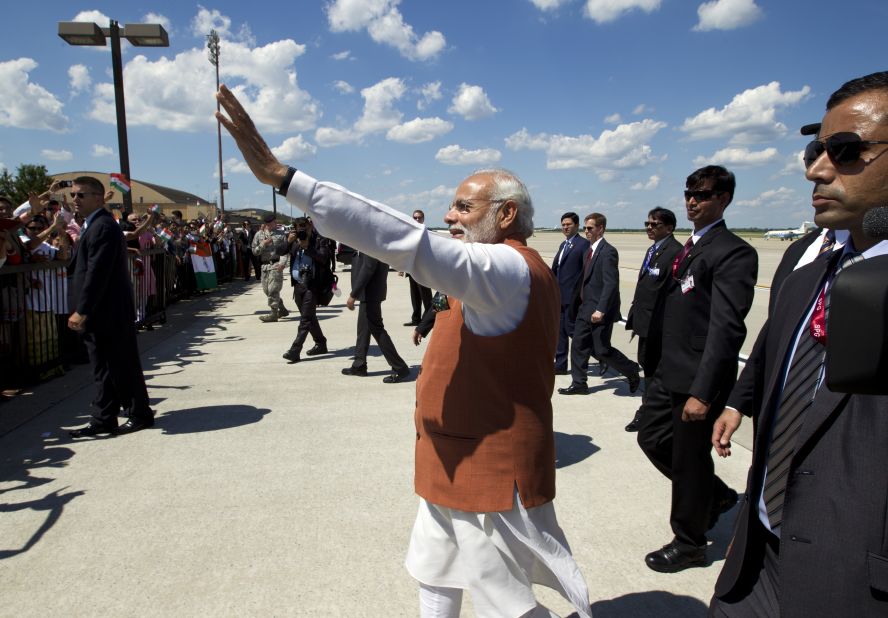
[{"x": 790, "y": 234}]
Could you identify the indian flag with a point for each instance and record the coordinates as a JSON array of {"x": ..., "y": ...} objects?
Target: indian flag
[
  {"x": 204, "y": 270},
  {"x": 120, "y": 182},
  {"x": 165, "y": 235}
]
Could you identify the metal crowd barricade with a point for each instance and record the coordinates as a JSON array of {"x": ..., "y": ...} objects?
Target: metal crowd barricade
[
  {"x": 33, "y": 320},
  {"x": 148, "y": 275}
]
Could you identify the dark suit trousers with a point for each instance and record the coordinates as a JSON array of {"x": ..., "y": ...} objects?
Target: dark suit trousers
[
  {"x": 650, "y": 350},
  {"x": 420, "y": 299},
  {"x": 594, "y": 340},
  {"x": 682, "y": 452},
  {"x": 760, "y": 594},
  {"x": 117, "y": 371},
  {"x": 308, "y": 318},
  {"x": 565, "y": 332},
  {"x": 370, "y": 324},
  {"x": 252, "y": 260}
]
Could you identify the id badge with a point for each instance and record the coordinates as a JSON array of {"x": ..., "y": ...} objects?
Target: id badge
[
  {"x": 687, "y": 284},
  {"x": 654, "y": 272}
]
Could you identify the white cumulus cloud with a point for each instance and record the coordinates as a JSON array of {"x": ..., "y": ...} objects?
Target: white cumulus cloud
[
  {"x": 294, "y": 148},
  {"x": 343, "y": 87},
  {"x": 548, "y": 5},
  {"x": 96, "y": 17},
  {"x": 428, "y": 94},
  {"x": 384, "y": 23},
  {"x": 422, "y": 199},
  {"x": 157, "y": 18},
  {"x": 171, "y": 93},
  {"x": 794, "y": 166},
  {"x": 233, "y": 166},
  {"x": 330, "y": 136},
  {"x": 772, "y": 198},
  {"x": 56, "y": 155},
  {"x": 727, "y": 14},
  {"x": 739, "y": 157},
  {"x": 750, "y": 117},
  {"x": 380, "y": 113},
  {"x": 642, "y": 109},
  {"x": 604, "y": 11},
  {"x": 207, "y": 20},
  {"x": 613, "y": 119},
  {"x": 101, "y": 151},
  {"x": 472, "y": 103},
  {"x": 78, "y": 78},
  {"x": 456, "y": 155},
  {"x": 419, "y": 130},
  {"x": 24, "y": 104},
  {"x": 343, "y": 55},
  {"x": 624, "y": 147},
  {"x": 652, "y": 183}
]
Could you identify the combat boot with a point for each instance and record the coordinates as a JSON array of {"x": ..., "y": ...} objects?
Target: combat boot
[{"x": 269, "y": 317}]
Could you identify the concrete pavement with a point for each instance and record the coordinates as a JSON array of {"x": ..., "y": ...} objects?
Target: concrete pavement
[{"x": 274, "y": 489}]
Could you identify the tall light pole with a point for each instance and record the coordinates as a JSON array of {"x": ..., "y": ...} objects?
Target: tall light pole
[
  {"x": 213, "y": 47},
  {"x": 140, "y": 35}
]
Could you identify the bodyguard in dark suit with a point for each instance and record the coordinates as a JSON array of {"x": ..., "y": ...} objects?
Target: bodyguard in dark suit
[
  {"x": 811, "y": 539},
  {"x": 420, "y": 295},
  {"x": 710, "y": 293},
  {"x": 596, "y": 305},
  {"x": 567, "y": 267},
  {"x": 104, "y": 314},
  {"x": 645, "y": 317},
  {"x": 369, "y": 286}
]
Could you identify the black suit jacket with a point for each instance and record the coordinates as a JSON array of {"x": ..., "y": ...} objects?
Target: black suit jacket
[
  {"x": 834, "y": 535},
  {"x": 703, "y": 327},
  {"x": 598, "y": 289},
  {"x": 369, "y": 278},
  {"x": 571, "y": 266},
  {"x": 101, "y": 287},
  {"x": 319, "y": 251},
  {"x": 646, "y": 312}
]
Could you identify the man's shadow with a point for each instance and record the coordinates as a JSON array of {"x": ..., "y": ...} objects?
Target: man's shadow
[
  {"x": 209, "y": 418},
  {"x": 650, "y": 603},
  {"x": 571, "y": 449},
  {"x": 54, "y": 503}
]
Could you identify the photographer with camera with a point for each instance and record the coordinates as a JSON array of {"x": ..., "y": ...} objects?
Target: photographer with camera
[{"x": 312, "y": 282}]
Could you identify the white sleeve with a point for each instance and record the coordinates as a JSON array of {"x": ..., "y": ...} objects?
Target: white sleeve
[{"x": 491, "y": 280}]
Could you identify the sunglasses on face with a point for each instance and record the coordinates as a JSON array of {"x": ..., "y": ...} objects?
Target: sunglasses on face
[
  {"x": 653, "y": 223},
  {"x": 701, "y": 195},
  {"x": 841, "y": 148},
  {"x": 590, "y": 228},
  {"x": 82, "y": 195}
]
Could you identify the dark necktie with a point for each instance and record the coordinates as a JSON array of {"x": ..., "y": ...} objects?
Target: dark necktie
[
  {"x": 586, "y": 263},
  {"x": 647, "y": 261},
  {"x": 676, "y": 263},
  {"x": 560, "y": 255},
  {"x": 797, "y": 396},
  {"x": 829, "y": 241}
]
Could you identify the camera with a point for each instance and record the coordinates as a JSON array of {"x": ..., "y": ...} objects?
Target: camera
[{"x": 301, "y": 234}]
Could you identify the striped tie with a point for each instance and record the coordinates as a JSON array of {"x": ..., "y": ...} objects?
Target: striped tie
[{"x": 798, "y": 395}]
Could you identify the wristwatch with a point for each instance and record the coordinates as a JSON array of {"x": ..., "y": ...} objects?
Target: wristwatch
[{"x": 282, "y": 190}]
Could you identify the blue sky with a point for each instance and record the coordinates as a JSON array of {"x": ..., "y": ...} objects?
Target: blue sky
[{"x": 601, "y": 105}]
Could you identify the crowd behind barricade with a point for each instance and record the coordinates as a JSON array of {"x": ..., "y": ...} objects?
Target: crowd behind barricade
[{"x": 37, "y": 241}]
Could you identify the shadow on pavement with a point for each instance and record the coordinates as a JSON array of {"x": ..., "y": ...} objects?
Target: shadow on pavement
[
  {"x": 652, "y": 603},
  {"x": 209, "y": 418},
  {"x": 53, "y": 503},
  {"x": 572, "y": 448}
]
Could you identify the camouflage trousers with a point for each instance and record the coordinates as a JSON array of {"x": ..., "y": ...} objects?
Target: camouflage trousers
[{"x": 272, "y": 283}]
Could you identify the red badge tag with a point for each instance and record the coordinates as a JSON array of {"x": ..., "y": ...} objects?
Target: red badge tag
[{"x": 818, "y": 318}]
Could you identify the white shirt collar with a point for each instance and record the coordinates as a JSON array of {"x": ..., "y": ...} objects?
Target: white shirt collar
[{"x": 696, "y": 236}]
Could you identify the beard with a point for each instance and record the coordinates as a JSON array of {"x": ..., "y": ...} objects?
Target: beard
[{"x": 484, "y": 231}]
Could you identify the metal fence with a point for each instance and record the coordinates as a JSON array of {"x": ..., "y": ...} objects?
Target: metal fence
[{"x": 35, "y": 341}]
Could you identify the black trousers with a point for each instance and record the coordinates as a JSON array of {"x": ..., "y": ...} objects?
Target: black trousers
[
  {"x": 308, "y": 318},
  {"x": 420, "y": 299},
  {"x": 681, "y": 451},
  {"x": 370, "y": 324},
  {"x": 117, "y": 372},
  {"x": 251, "y": 259},
  {"x": 565, "y": 332},
  {"x": 759, "y": 593},
  {"x": 594, "y": 340}
]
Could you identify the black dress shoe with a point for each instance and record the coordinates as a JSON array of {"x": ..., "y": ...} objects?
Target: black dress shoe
[
  {"x": 561, "y": 371},
  {"x": 720, "y": 506},
  {"x": 672, "y": 558},
  {"x": 91, "y": 430},
  {"x": 317, "y": 349},
  {"x": 634, "y": 381},
  {"x": 292, "y": 355},
  {"x": 602, "y": 368},
  {"x": 135, "y": 424},
  {"x": 355, "y": 371},
  {"x": 396, "y": 376},
  {"x": 633, "y": 424},
  {"x": 574, "y": 389},
  {"x": 412, "y": 323}
]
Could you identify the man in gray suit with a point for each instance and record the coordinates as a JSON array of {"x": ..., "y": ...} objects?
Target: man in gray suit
[
  {"x": 369, "y": 285},
  {"x": 597, "y": 303}
]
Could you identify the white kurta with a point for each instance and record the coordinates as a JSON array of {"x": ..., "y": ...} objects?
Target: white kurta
[{"x": 496, "y": 556}]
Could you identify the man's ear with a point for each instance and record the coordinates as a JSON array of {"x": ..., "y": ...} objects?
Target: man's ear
[{"x": 509, "y": 211}]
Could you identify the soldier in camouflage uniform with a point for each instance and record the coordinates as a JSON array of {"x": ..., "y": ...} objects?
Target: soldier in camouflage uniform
[{"x": 270, "y": 245}]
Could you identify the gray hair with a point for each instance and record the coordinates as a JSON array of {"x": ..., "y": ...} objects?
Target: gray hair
[{"x": 507, "y": 186}]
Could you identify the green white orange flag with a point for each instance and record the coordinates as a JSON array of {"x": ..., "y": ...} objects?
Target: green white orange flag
[
  {"x": 204, "y": 269},
  {"x": 120, "y": 182}
]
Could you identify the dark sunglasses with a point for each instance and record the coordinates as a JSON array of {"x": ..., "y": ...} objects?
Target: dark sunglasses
[
  {"x": 589, "y": 229},
  {"x": 83, "y": 195},
  {"x": 653, "y": 223},
  {"x": 842, "y": 148},
  {"x": 701, "y": 195}
]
